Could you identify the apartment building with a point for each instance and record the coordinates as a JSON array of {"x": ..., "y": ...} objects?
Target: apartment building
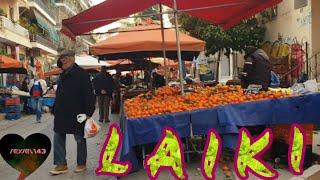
[
  {"x": 67, "y": 9},
  {"x": 29, "y": 30}
]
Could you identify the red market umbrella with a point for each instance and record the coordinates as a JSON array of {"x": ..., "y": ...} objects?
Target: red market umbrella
[{"x": 226, "y": 13}]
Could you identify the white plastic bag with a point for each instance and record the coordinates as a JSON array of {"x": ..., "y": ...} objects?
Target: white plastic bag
[
  {"x": 311, "y": 85},
  {"x": 91, "y": 128}
]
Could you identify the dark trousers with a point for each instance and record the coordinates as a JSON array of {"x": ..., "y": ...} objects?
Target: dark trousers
[
  {"x": 104, "y": 104},
  {"x": 59, "y": 147}
]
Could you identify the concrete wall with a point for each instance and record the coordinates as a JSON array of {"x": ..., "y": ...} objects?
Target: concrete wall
[{"x": 291, "y": 23}]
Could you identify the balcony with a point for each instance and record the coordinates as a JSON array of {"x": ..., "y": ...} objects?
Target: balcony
[
  {"x": 14, "y": 32},
  {"x": 46, "y": 8},
  {"x": 14, "y": 27},
  {"x": 85, "y": 4},
  {"x": 42, "y": 43},
  {"x": 71, "y": 7}
]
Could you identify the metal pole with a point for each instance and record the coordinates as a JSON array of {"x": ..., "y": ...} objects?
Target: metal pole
[
  {"x": 163, "y": 46},
  {"x": 178, "y": 46},
  {"x": 307, "y": 62},
  {"x": 316, "y": 64}
]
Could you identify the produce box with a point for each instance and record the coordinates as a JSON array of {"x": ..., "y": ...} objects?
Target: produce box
[
  {"x": 13, "y": 116},
  {"x": 12, "y": 101},
  {"x": 283, "y": 132},
  {"x": 13, "y": 109}
]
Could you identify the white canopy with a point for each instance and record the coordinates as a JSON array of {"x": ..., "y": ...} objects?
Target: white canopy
[{"x": 88, "y": 62}]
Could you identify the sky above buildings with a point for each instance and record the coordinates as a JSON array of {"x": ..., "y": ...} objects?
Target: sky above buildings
[{"x": 97, "y": 1}]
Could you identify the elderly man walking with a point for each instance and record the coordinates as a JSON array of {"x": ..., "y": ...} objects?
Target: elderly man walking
[{"x": 74, "y": 96}]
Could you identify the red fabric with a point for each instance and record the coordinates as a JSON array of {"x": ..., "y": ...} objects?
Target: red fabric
[{"x": 226, "y": 13}]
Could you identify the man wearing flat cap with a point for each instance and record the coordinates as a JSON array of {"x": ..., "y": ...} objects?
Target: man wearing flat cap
[{"x": 74, "y": 96}]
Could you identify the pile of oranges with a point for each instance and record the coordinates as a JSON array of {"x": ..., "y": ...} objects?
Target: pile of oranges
[{"x": 168, "y": 99}]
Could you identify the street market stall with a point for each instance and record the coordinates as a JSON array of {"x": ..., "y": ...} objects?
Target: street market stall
[
  {"x": 10, "y": 101},
  {"x": 225, "y": 109}
]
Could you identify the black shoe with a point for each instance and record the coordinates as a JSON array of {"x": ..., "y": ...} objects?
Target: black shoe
[
  {"x": 107, "y": 121},
  {"x": 101, "y": 120}
]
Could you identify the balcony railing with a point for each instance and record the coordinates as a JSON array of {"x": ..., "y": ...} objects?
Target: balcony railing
[
  {"x": 47, "y": 7},
  {"x": 86, "y": 3},
  {"x": 41, "y": 40},
  {"x": 14, "y": 27},
  {"x": 69, "y": 4}
]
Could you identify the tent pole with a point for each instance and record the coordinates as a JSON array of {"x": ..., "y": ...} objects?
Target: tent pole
[
  {"x": 178, "y": 46},
  {"x": 163, "y": 46}
]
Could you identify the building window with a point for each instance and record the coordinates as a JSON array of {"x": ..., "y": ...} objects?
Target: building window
[{"x": 300, "y": 4}]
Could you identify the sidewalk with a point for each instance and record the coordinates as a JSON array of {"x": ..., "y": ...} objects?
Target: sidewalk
[{"x": 27, "y": 125}]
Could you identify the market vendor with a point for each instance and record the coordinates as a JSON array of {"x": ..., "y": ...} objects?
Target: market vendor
[
  {"x": 158, "y": 80},
  {"x": 257, "y": 68}
]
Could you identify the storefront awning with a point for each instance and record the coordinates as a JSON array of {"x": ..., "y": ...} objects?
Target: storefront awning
[
  {"x": 46, "y": 26},
  {"x": 225, "y": 13}
]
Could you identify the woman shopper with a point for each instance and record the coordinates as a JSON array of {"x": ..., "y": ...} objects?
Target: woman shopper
[{"x": 37, "y": 88}]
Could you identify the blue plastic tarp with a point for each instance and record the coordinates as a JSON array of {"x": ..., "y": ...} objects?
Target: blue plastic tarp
[{"x": 224, "y": 119}]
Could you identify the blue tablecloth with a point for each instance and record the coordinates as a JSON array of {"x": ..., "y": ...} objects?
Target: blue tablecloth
[{"x": 225, "y": 119}]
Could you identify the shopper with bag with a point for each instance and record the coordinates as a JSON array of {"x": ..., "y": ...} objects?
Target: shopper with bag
[
  {"x": 37, "y": 88},
  {"x": 74, "y": 97}
]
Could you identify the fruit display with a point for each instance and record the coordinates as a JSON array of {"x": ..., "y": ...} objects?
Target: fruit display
[{"x": 169, "y": 100}]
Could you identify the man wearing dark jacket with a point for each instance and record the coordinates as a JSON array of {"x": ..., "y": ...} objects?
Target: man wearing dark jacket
[
  {"x": 104, "y": 87},
  {"x": 74, "y": 96},
  {"x": 257, "y": 69}
]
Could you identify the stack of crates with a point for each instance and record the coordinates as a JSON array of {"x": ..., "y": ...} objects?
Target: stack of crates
[{"x": 12, "y": 108}]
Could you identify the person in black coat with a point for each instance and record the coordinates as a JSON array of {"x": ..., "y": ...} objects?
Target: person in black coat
[
  {"x": 257, "y": 68},
  {"x": 104, "y": 86},
  {"x": 74, "y": 96},
  {"x": 158, "y": 80}
]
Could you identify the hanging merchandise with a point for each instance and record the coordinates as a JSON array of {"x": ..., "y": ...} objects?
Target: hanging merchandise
[
  {"x": 275, "y": 49},
  {"x": 267, "y": 47},
  {"x": 284, "y": 50},
  {"x": 297, "y": 57}
]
